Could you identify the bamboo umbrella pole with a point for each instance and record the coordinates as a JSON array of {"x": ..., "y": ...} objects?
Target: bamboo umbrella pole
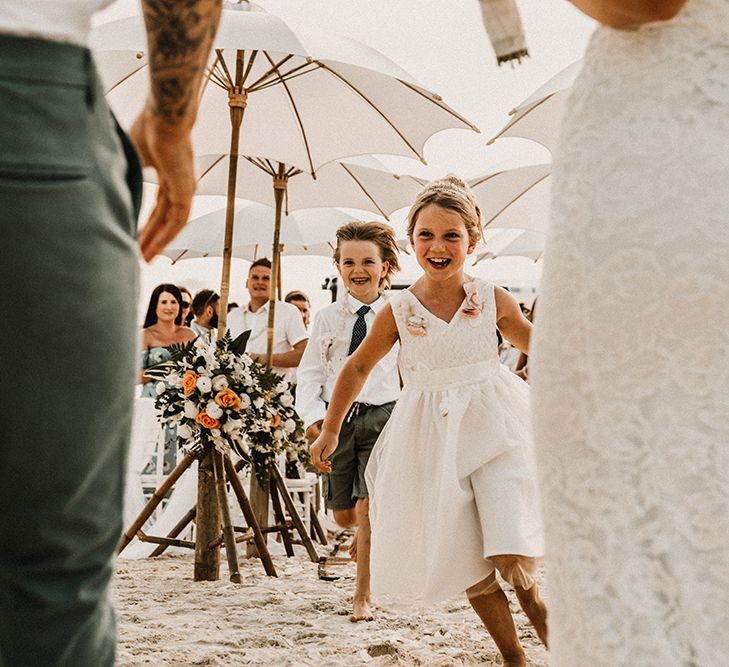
[
  {"x": 237, "y": 102},
  {"x": 280, "y": 182},
  {"x": 207, "y": 559},
  {"x": 207, "y": 524}
]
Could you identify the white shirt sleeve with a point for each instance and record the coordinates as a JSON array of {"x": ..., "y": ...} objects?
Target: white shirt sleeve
[{"x": 312, "y": 377}]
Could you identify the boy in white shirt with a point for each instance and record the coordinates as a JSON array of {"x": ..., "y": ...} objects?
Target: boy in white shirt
[{"x": 366, "y": 258}]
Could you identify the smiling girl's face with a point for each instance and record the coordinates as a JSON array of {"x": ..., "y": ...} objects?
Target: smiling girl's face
[
  {"x": 441, "y": 243},
  {"x": 362, "y": 269}
]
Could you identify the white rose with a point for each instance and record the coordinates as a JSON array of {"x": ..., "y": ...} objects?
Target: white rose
[
  {"x": 184, "y": 432},
  {"x": 214, "y": 410},
  {"x": 203, "y": 384},
  {"x": 215, "y": 432},
  {"x": 245, "y": 401},
  {"x": 190, "y": 410},
  {"x": 281, "y": 387},
  {"x": 160, "y": 388},
  {"x": 220, "y": 382},
  {"x": 232, "y": 426},
  {"x": 289, "y": 426},
  {"x": 173, "y": 380},
  {"x": 278, "y": 435},
  {"x": 287, "y": 400},
  {"x": 258, "y": 402}
]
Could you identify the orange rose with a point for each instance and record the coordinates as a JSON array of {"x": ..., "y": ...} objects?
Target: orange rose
[
  {"x": 227, "y": 398},
  {"x": 275, "y": 420},
  {"x": 188, "y": 382},
  {"x": 206, "y": 421}
]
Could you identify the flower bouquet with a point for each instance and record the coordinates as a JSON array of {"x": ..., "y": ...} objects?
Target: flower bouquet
[{"x": 218, "y": 397}]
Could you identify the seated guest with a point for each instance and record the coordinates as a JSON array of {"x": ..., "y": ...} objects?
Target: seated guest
[
  {"x": 186, "y": 305},
  {"x": 301, "y": 301},
  {"x": 205, "y": 308}
]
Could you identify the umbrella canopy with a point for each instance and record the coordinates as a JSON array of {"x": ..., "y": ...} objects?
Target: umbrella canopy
[
  {"x": 337, "y": 184},
  {"x": 539, "y": 117},
  {"x": 514, "y": 198},
  {"x": 305, "y": 232},
  {"x": 512, "y": 243},
  {"x": 309, "y": 97}
]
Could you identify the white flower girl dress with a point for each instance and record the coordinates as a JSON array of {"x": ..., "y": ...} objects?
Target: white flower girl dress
[{"x": 452, "y": 476}]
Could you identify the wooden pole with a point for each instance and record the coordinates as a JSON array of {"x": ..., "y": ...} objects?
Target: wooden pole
[
  {"x": 231, "y": 551},
  {"x": 207, "y": 525},
  {"x": 280, "y": 182},
  {"x": 295, "y": 518},
  {"x": 237, "y": 101},
  {"x": 259, "y": 505},
  {"x": 176, "y": 530},
  {"x": 207, "y": 561},
  {"x": 258, "y": 538},
  {"x": 155, "y": 500}
]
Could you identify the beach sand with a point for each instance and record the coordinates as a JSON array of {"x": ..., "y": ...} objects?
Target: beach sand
[{"x": 294, "y": 620}]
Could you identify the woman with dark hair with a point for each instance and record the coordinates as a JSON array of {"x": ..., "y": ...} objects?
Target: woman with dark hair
[{"x": 162, "y": 327}]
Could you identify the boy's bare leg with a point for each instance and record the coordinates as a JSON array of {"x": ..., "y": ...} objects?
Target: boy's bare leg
[
  {"x": 493, "y": 609},
  {"x": 348, "y": 519},
  {"x": 361, "y": 610}
]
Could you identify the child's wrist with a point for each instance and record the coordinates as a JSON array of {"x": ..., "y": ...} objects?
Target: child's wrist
[{"x": 329, "y": 430}]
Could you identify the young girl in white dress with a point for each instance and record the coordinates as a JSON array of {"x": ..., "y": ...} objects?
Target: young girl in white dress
[{"x": 452, "y": 485}]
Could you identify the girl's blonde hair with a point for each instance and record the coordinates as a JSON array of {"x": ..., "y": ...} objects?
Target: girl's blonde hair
[
  {"x": 452, "y": 193},
  {"x": 381, "y": 235}
]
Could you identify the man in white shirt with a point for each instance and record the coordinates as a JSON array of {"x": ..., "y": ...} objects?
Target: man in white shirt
[
  {"x": 69, "y": 196},
  {"x": 289, "y": 334},
  {"x": 205, "y": 308}
]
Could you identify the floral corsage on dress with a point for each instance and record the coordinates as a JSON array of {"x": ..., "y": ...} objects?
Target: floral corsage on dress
[
  {"x": 417, "y": 325},
  {"x": 473, "y": 303}
]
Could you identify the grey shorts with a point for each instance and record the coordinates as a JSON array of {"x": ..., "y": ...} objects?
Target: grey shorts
[{"x": 346, "y": 483}]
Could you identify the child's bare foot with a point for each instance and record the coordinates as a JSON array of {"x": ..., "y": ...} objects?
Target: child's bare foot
[
  {"x": 361, "y": 611},
  {"x": 353, "y": 549}
]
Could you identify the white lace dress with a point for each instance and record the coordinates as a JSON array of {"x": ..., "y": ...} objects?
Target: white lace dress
[
  {"x": 452, "y": 476},
  {"x": 630, "y": 367}
]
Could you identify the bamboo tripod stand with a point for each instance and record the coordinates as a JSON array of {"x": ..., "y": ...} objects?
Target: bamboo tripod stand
[{"x": 220, "y": 468}]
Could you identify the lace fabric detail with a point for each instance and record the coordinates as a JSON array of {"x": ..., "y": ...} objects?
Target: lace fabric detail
[
  {"x": 463, "y": 341},
  {"x": 630, "y": 368}
]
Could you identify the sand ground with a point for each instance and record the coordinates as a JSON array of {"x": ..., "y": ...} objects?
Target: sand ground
[{"x": 295, "y": 620}]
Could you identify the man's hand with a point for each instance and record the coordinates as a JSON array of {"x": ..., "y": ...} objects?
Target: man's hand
[
  {"x": 180, "y": 36},
  {"x": 314, "y": 430},
  {"x": 169, "y": 151},
  {"x": 322, "y": 449}
]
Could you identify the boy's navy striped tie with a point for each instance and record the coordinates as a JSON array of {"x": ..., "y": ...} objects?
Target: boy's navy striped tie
[{"x": 359, "y": 331}]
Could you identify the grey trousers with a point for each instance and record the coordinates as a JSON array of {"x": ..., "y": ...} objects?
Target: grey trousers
[{"x": 68, "y": 295}]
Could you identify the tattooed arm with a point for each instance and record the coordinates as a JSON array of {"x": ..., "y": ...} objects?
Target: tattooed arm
[{"x": 180, "y": 34}]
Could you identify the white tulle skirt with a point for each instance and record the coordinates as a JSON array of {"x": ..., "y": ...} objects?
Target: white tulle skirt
[{"x": 452, "y": 481}]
